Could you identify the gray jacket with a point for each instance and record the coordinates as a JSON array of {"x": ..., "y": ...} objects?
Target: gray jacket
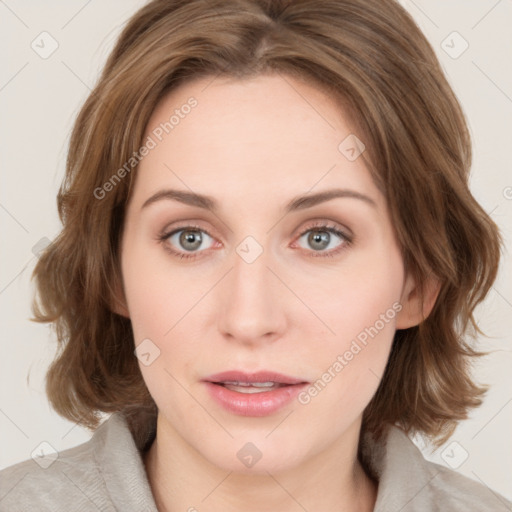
[{"x": 107, "y": 474}]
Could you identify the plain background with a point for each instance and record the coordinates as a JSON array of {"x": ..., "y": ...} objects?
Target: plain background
[{"x": 39, "y": 99}]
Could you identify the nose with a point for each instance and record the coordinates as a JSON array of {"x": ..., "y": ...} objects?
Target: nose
[{"x": 252, "y": 304}]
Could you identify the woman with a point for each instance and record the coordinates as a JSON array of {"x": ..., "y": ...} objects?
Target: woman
[{"x": 269, "y": 260}]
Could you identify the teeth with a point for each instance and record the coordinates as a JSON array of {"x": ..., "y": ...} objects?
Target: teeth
[
  {"x": 249, "y": 389},
  {"x": 253, "y": 387}
]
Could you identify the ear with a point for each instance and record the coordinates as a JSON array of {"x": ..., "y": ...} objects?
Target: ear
[
  {"x": 415, "y": 306},
  {"x": 118, "y": 303}
]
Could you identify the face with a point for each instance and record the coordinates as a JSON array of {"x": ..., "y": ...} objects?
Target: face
[{"x": 252, "y": 280}]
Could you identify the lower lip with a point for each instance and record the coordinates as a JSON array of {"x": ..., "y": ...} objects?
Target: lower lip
[{"x": 254, "y": 404}]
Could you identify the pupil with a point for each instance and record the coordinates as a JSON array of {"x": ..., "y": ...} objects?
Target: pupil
[
  {"x": 187, "y": 239},
  {"x": 319, "y": 237}
]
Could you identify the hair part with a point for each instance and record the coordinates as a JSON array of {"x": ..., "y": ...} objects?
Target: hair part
[{"x": 373, "y": 60}]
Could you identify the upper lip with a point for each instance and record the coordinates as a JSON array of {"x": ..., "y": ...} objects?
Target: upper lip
[{"x": 261, "y": 376}]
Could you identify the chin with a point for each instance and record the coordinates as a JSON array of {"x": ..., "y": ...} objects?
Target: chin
[{"x": 254, "y": 455}]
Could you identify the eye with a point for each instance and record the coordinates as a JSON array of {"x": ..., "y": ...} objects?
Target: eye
[
  {"x": 189, "y": 240},
  {"x": 324, "y": 239}
]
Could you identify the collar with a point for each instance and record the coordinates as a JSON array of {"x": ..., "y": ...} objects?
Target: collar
[
  {"x": 402, "y": 472},
  {"x": 120, "y": 462}
]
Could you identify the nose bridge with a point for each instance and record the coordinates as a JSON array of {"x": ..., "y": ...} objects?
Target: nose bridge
[{"x": 251, "y": 308}]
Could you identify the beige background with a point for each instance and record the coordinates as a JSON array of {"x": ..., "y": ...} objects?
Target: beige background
[{"x": 39, "y": 99}]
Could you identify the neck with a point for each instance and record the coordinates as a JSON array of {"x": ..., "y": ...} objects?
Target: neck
[{"x": 183, "y": 480}]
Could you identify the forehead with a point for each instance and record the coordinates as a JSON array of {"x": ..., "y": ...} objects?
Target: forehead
[{"x": 270, "y": 133}]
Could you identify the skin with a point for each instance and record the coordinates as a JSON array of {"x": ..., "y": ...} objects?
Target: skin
[{"x": 253, "y": 145}]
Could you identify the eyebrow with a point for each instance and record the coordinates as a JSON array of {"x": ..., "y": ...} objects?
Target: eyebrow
[{"x": 297, "y": 203}]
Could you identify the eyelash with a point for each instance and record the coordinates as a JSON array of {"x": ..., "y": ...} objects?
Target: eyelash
[{"x": 317, "y": 226}]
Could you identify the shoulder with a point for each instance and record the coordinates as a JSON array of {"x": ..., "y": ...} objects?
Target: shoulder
[
  {"x": 71, "y": 481},
  {"x": 410, "y": 483},
  {"x": 456, "y": 491},
  {"x": 106, "y": 473}
]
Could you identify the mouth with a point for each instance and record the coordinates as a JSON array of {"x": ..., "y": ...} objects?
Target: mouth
[{"x": 253, "y": 394}]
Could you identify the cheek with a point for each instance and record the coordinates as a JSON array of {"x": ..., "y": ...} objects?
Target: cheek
[
  {"x": 157, "y": 297},
  {"x": 362, "y": 294},
  {"x": 161, "y": 304},
  {"x": 361, "y": 315},
  {"x": 350, "y": 366}
]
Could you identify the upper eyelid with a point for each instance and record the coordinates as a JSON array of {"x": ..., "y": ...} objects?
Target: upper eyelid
[
  {"x": 318, "y": 224},
  {"x": 315, "y": 223}
]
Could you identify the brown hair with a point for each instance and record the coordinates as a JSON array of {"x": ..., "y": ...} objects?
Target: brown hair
[{"x": 371, "y": 57}]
